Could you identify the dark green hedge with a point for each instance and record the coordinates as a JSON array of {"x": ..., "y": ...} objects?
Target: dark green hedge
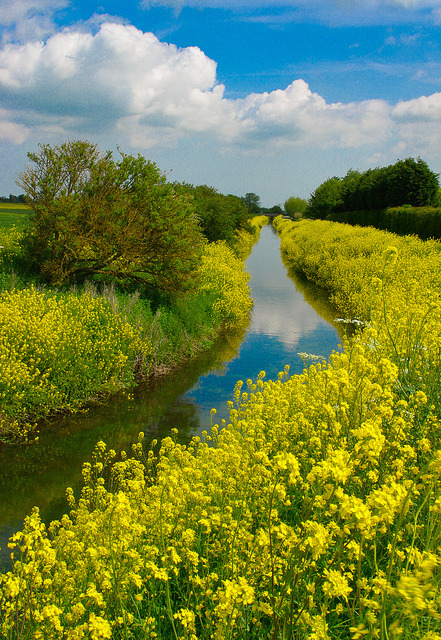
[
  {"x": 407, "y": 182},
  {"x": 424, "y": 222}
]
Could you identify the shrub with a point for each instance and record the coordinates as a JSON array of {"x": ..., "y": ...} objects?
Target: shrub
[
  {"x": 116, "y": 221},
  {"x": 325, "y": 199},
  {"x": 219, "y": 215},
  {"x": 295, "y": 207},
  {"x": 424, "y": 222}
]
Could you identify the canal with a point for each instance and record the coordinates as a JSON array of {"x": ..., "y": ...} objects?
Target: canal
[{"x": 288, "y": 318}]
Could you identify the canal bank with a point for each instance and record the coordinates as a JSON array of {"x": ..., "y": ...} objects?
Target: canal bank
[{"x": 288, "y": 318}]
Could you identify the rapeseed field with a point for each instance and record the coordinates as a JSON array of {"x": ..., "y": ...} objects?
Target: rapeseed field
[
  {"x": 62, "y": 349},
  {"x": 313, "y": 515}
]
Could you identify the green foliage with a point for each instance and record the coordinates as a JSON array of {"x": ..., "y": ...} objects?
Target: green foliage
[
  {"x": 412, "y": 182},
  {"x": 21, "y": 199},
  {"x": 118, "y": 221},
  {"x": 219, "y": 215},
  {"x": 425, "y": 222},
  {"x": 325, "y": 199},
  {"x": 364, "y": 218},
  {"x": 407, "y": 181},
  {"x": 294, "y": 206},
  {"x": 275, "y": 210},
  {"x": 252, "y": 201}
]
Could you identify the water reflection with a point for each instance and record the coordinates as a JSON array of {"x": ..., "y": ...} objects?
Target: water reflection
[{"x": 283, "y": 323}]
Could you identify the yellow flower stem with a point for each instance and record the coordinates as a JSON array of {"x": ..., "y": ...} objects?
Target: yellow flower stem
[{"x": 167, "y": 586}]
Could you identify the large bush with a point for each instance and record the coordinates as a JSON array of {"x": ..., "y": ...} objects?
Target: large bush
[
  {"x": 295, "y": 207},
  {"x": 219, "y": 215},
  {"x": 115, "y": 220}
]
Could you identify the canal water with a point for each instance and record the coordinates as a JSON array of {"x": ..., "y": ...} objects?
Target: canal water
[{"x": 288, "y": 318}]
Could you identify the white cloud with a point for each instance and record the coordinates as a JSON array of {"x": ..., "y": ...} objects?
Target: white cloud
[
  {"x": 425, "y": 108},
  {"x": 29, "y": 19},
  {"x": 297, "y": 116},
  {"x": 319, "y": 11},
  {"x": 126, "y": 83},
  {"x": 12, "y": 131},
  {"x": 11, "y": 11},
  {"x": 116, "y": 73}
]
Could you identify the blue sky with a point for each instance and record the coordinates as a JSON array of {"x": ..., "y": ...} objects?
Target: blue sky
[{"x": 263, "y": 96}]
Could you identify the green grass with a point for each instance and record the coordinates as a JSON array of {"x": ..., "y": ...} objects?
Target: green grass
[{"x": 13, "y": 214}]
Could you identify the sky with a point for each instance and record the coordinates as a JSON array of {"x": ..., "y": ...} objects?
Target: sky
[{"x": 257, "y": 96}]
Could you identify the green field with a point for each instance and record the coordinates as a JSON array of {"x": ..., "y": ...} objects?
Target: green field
[{"x": 13, "y": 214}]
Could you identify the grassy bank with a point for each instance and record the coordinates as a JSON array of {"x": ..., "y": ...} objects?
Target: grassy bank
[
  {"x": 392, "y": 283},
  {"x": 62, "y": 349},
  {"x": 13, "y": 215},
  {"x": 246, "y": 239},
  {"x": 314, "y": 515}
]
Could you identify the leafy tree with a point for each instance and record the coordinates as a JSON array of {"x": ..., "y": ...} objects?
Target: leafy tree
[
  {"x": 120, "y": 220},
  {"x": 412, "y": 182},
  {"x": 219, "y": 215},
  {"x": 21, "y": 199},
  {"x": 295, "y": 206},
  {"x": 325, "y": 199},
  {"x": 405, "y": 182},
  {"x": 252, "y": 201}
]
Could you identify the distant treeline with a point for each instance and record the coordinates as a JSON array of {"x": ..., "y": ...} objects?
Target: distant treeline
[
  {"x": 403, "y": 198},
  {"x": 21, "y": 199},
  {"x": 407, "y": 181}
]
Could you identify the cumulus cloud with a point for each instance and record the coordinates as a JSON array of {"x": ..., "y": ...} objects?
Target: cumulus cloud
[
  {"x": 12, "y": 131},
  {"x": 118, "y": 72},
  {"x": 425, "y": 108},
  {"x": 298, "y": 116},
  {"x": 27, "y": 19},
  {"x": 124, "y": 82}
]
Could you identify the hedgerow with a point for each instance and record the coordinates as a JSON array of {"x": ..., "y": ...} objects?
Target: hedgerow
[{"x": 425, "y": 222}]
